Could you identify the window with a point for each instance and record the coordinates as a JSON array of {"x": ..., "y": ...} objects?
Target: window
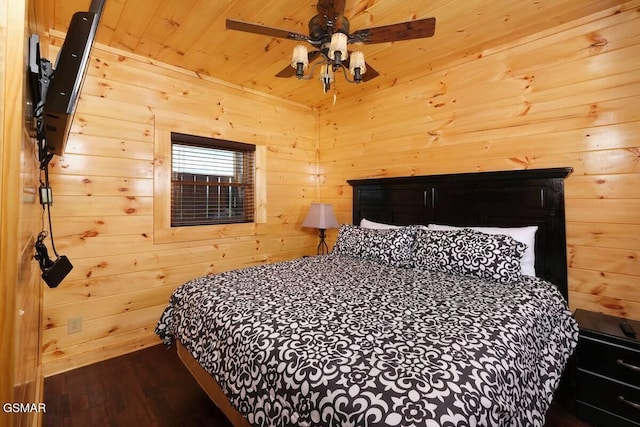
[{"x": 212, "y": 181}]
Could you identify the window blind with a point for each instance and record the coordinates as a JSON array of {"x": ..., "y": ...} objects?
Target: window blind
[{"x": 212, "y": 181}]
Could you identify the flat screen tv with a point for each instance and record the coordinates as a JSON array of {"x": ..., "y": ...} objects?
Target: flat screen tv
[{"x": 68, "y": 76}]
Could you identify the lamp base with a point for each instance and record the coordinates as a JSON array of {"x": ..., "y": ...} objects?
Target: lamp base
[{"x": 323, "y": 249}]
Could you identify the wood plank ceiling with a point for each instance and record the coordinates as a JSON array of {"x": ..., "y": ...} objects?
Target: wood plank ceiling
[{"x": 192, "y": 34}]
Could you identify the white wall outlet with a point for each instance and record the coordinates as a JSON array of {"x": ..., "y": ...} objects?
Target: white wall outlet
[{"x": 74, "y": 325}]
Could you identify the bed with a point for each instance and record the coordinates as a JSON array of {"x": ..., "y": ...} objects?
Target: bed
[{"x": 386, "y": 330}]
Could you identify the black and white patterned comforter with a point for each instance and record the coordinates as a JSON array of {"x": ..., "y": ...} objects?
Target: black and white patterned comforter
[{"x": 336, "y": 341}]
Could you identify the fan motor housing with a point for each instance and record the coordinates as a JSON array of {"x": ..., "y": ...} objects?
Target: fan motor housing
[{"x": 320, "y": 32}]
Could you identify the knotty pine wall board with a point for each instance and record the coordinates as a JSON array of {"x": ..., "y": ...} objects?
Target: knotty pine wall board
[{"x": 610, "y": 235}]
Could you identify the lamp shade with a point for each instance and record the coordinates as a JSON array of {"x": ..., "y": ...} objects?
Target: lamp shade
[
  {"x": 300, "y": 56},
  {"x": 326, "y": 73},
  {"x": 320, "y": 216},
  {"x": 338, "y": 44},
  {"x": 326, "y": 77},
  {"x": 357, "y": 61}
]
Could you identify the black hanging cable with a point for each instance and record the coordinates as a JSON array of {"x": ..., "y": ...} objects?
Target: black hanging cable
[
  {"x": 44, "y": 157},
  {"x": 53, "y": 271},
  {"x": 48, "y": 205},
  {"x": 42, "y": 255}
]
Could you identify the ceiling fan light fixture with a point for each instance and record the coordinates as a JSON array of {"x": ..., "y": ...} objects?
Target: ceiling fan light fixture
[
  {"x": 329, "y": 35},
  {"x": 338, "y": 49},
  {"x": 300, "y": 60},
  {"x": 357, "y": 67}
]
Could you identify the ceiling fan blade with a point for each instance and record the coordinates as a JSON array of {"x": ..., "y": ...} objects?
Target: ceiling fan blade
[
  {"x": 330, "y": 8},
  {"x": 338, "y": 8},
  {"x": 396, "y": 32},
  {"x": 289, "y": 71},
  {"x": 331, "y": 12},
  {"x": 370, "y": 74},
  {"x": 248, "y": 27}
]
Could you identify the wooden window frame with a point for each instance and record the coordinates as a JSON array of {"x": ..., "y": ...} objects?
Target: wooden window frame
[{"x": 163, "y": 231}]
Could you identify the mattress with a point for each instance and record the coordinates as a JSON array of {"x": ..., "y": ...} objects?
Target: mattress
[{"x": 339, "y": 340}]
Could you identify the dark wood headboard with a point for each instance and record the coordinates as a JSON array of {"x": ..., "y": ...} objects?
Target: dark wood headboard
[{"x": 498, "y": 199}]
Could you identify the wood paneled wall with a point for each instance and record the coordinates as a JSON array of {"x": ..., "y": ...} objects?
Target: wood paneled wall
[
  {"x": 20, "y": 213},
  {"x": 103, "y": 213},
  {"x": 566, "y": 97}
]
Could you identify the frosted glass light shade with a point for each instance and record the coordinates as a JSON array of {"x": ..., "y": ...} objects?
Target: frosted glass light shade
[
  {"x": 357, "y": 61},
  {"x": 326, "y": 77},
  {"x": 338, "y": 44},
  {"x": 326, "y": 73},
  {"x": 300, "y": 55}
]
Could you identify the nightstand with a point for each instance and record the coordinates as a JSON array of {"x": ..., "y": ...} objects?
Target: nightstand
[{"x": 607, "y": 371}]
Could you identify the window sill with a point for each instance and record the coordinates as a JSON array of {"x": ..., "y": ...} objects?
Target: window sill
[{"x": 204, "y": 232}]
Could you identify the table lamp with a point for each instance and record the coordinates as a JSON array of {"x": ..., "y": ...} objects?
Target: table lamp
[{"x": 321, "y": 216}]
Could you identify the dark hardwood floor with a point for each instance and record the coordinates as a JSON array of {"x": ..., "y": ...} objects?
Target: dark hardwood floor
[{"x": 151, "y": 387}]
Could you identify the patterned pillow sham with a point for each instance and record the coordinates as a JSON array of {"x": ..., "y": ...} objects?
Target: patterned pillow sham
[
  {"x": 386, "y": 246},
  {"x": 526, "y": 235},
  {"x": 466, "y": 252}
]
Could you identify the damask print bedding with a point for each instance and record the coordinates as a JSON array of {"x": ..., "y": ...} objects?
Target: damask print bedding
[{"x": 338, "y": 341}]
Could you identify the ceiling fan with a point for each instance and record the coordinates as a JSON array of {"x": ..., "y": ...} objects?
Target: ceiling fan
[{"x": 329, "y": 35}]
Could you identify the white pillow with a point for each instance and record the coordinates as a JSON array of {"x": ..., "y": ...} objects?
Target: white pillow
[
  {"x": 526, "y": 235},
  {"x": 365, "y": 223}
]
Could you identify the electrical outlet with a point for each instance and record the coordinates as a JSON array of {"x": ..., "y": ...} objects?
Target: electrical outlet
[{"x": 74, "y": 325}]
